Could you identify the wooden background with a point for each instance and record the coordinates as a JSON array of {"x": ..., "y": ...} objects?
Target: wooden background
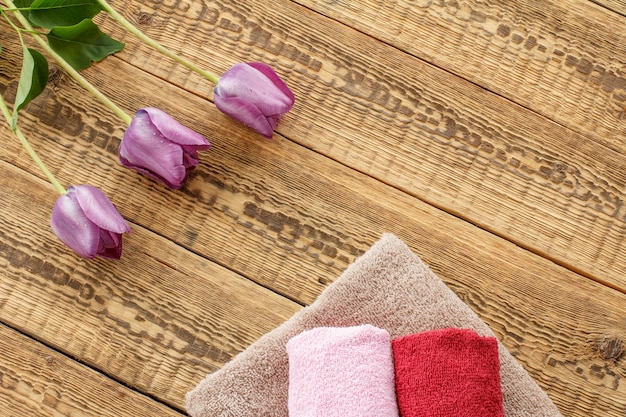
[{"x": 489, "y": 135}]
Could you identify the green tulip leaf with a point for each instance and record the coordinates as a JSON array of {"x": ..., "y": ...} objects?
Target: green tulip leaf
[
  {"x": 82, "y": 44},
  {"x": 33, "y": 79},
  {"x": 23, "y": 4},
  {"x": 50, "y": 13}
]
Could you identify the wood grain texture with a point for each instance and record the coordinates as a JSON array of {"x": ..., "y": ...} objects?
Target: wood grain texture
[
  {"x": 618, "y": 6},
  {"x": 379, "y": 141},
  {"x": 38, "y": 381},
  {"x": 159, "y": 320},
  {"x": 417, "y": 127},
  {"x": 562, "y": 59},
  {"x": 251, "y": 206}
]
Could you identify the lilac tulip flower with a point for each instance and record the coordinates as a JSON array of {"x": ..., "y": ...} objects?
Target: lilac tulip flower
[
  {"x": 86, "y": 221},
  {"x": 253, "y": 94},
  {"x": 158, "y": 146}
]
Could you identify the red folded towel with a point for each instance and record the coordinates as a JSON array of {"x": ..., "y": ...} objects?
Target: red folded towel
[{"x": 447, "y": 373}]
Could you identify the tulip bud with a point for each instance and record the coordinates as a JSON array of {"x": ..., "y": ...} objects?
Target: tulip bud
[
  {"x": 253, "y": 94},
  {"x": 86, "y": 221},
  {"x": 158, "y": 146}
]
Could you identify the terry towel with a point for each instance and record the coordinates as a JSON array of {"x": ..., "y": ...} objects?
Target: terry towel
[
  {"x": 447, "y": 373},
  {"x": 341, "y": 372},
  {"x": 388, "y": 287}
]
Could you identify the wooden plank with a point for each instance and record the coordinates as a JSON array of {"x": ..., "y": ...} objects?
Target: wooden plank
[
  {"x": 563, "y": 59},
  {"x": 618, "y": 6},
  {"x": 252, "y": 207},
  {"x": 159, "y": 320},
  {"x": 38, "y": 381},
  {"x": 418, "y": 128}
]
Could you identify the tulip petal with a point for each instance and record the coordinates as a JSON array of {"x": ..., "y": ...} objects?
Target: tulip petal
[
  {"x": 145, "y": 149},
  {"x": 274, "y": 78},
  {"x": 110, "y": 245},
  {"x": 73, "y": 228},
  {"x": 190, "y": 157},
  {"x": 107, "y": 239},
  {"x": 247, "y": 113},
  {"x": 252, "y": 85},
  {"x": 99, "y": 209},
  {"x": 174, "y": 131},
  {"x": 153, "y": 175}
]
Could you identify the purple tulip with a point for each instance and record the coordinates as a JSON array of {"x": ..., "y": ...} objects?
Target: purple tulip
[
  {"x": 157, "y": 145},
  {"x": 86, "y": 221},
  {"x": 253, "y": 94}
]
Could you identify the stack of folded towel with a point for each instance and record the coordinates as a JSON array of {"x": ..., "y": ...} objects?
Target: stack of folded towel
[
  {"x": 359, "y": 371},
  {"x": 391, "y": 288}
]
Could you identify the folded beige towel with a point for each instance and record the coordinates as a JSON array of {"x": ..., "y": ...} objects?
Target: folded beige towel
[{"x": 388, "y": 287}]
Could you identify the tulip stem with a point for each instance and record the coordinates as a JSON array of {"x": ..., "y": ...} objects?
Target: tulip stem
[
  {"x": 69, "y": 69},
  {"x": 144, "y": 38},
  {"x": 20, "y": 136}
]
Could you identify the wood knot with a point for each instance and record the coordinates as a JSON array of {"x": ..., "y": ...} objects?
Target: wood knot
[
  {"x": 144, "y": 19},
  {"x": 610, "y": 348},
  {"x": 55, "y": 75}
]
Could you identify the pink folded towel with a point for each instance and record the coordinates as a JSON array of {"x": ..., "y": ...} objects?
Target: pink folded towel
[{"x": 341, "y": 372}]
